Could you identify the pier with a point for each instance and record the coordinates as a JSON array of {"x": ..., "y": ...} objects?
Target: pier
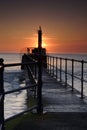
[
  {"x": 47, "y": 79},
  {"x": 61, "y": 98}
]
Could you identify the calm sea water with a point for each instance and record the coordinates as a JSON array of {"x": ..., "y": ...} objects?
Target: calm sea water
[
  {"x": 16, "y": 102},
  {"x": 72, "y": 56}
]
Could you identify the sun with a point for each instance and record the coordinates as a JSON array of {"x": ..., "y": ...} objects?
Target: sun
[
  {"x": 44, "y": 42},
  {"x": 44, "y": 45}
]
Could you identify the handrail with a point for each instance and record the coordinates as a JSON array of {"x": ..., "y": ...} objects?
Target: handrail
[
  {"x": 70, "y": 74},
  {"x": 56, "y": 68},
  {"x": 15, "y": 90},
  {"x": 21, "y": 113},
  {"x": 3, "y": 93},
  {"x": 19, "y": 64}
]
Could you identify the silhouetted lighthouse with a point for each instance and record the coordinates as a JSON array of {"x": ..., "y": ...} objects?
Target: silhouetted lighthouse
[{"x": 40, "y": 38}]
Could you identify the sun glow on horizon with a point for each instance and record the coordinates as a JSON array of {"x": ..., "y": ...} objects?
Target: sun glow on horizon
[
  {"x": 44, "y": 45},
  {"x": 44, "y": 42}
]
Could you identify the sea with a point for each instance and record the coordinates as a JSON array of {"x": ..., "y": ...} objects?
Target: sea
[{"x": 16, "y": 102}]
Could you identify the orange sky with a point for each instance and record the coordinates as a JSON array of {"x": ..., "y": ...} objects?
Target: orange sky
[{"x": 63, "y": 22}]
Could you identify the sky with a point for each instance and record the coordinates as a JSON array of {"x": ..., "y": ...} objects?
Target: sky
[{"x": 63, "y": 23}]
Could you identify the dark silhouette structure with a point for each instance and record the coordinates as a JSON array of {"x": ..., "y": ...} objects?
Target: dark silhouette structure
[{"x": 39, "y": 55}]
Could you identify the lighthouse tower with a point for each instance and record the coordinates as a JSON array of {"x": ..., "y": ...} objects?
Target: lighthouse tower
[
  {"x": 40, "y": 49},
  {"x": 40, "y": 38}
]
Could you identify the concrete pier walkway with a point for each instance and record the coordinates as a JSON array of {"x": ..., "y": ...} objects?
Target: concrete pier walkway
[
  {"x": 64, "y": 110},
  {"x": 60, "y": 98}
]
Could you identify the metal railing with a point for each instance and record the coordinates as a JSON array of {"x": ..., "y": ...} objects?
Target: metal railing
[
  {"x": 65, "y": 71},
  {"x": 34, "y": 76}
]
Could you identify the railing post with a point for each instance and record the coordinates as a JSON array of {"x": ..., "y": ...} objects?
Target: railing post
[
  {"x": 47, "y": 63},
  {"x": 65, "y": 72},
  {"x": 56, "y": 67},
  {"x": 60, "y": 69},
  {"x": 50, "y": 64},
  {"x": 72, "y": 74},
  {"x": 39, "y": 88},
  {"x": 1, "y": 96},
  {"x": 82, "y": 65},
  {"x": 35, "y": 70},
  {"x": 53, "y": 66}
]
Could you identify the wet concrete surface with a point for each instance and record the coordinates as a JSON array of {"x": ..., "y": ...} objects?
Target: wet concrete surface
[
  {"x": 65, "y": 110},
  {"x": 60, "y": 98},
  {"x": 54, "y": 121}
]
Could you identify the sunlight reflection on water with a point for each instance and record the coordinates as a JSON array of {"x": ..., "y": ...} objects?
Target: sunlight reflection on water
[{"x": 15, "y": 102}]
